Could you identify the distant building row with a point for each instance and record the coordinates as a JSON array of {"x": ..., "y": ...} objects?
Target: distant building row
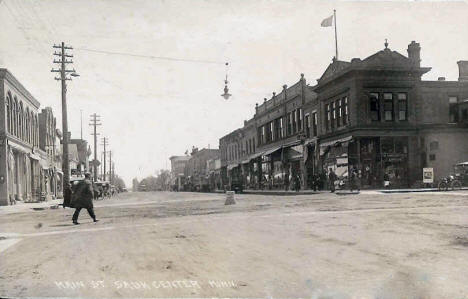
[{"x": 30, "y": 146}]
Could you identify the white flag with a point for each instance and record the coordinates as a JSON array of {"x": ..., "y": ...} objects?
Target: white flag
[{"x": 327, "y": 22}]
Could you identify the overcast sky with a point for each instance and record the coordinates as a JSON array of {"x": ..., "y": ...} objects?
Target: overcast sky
[{"x": 154, "y": 108}]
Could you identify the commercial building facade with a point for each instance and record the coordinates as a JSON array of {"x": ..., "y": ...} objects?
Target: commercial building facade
[
  {"x": 177, "y": 171},
  {"x": 21, "y": 176},
  {"x": 195, "y": 172},
  {"x": 375, "y": 117}
]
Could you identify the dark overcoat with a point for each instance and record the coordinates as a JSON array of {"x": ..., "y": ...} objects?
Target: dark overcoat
[{"x": 83, "y": 196}]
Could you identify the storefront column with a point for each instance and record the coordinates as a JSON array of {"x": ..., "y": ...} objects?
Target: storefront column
[
  {"x": 359, "y": 166},
  {"x": 302, "y": 170}
]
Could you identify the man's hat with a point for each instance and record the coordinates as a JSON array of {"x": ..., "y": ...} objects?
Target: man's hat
[{"x": 87, "y": 175}]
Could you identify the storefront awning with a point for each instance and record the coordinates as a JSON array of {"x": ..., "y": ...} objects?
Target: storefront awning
[
  {"x": 255, "y": 156},
  {"x": 295, "y": 152},
  {"x": 245, "y": 161},
  {"x": 271, "y": 151},
  {"x": 329, "y": 143},
  {"x": 34, "y": 157},
  {"x": 293, "y": 143},
  {"x": 18, "y": 147},
  {"x": 232, "y": 166},
  {"x": 44, "y": 164}
]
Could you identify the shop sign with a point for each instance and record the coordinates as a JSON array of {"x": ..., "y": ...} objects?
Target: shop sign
[
  {"x": 393, "y": 157},
  {"x": 428, "y": 175}
]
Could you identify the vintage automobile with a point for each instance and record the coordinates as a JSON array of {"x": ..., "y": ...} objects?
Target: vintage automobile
[{"x": 458, "y": 179}]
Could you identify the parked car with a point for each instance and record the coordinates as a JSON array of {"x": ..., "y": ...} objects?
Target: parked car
[{"x": 456, "y": 180}]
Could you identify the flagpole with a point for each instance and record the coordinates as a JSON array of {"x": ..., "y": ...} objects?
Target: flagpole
[{"x": 336, "y": 41}]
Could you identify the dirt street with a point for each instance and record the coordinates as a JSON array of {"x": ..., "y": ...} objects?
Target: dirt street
[{"x": 372, "y": 245}]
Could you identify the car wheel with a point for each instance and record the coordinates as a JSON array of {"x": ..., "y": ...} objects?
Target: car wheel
[
  {"x": 456, "y": 185},
  {"x": 443, "y": 186}
]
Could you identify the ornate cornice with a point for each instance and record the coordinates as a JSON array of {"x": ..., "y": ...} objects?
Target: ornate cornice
[{"x": 5, "y": 74}]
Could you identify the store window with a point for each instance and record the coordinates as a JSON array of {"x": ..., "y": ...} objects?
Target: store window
[
  {"x": 345, "y": 110},
  {"x": 453, "y": 109},
  {"x": 271, "y": 132},
  {"x": 294, "y": 121},
  {"x": 464, "y": 115},
  {"x": 402, "y": 107},
  {"x": 374, "y": 106},
  {"x": 387, "y": 145},
  {"x": 333, "y": 115},
  {"x": 278, "y": 128},
  {"x": 314, "y": 123},
  {"x": 327, "y": 117},
  {"x": 388, "y": 106},
  {"x": 281, "y": 130},
  {"x": 338, "y": 113}
]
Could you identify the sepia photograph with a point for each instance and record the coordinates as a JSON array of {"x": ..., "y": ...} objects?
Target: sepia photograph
[{"x": 234, "y": 149}]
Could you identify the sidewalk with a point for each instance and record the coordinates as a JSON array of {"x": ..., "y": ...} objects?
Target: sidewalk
[
  {"x": 338, "y": 191},
  {"x": 277, "y": 192},
  {"x": 29, "y": 206}
]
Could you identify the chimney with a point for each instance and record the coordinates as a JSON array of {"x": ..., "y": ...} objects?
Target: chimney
[
  {"x": 463, "y": 70},
  {"x": 414, "y": 53}
]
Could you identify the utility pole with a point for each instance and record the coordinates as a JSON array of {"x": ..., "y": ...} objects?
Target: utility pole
[
  {"x": 102, "y": 156},
  {"x": 63, "y": 78},
  {"x": 105, "y": 142},
  {"x": 95, "y": 121},
  {"x": 110, "y": 167}
]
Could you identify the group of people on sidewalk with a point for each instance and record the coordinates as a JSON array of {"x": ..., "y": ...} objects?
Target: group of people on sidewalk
[{"x": 351, "y": 184}]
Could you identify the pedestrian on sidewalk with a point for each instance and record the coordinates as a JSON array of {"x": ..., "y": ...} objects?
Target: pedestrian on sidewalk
[
  {"x": 297, "y": 183},
  {"x": 83, "y": 199},
  {"x": 332, "y": 178}
]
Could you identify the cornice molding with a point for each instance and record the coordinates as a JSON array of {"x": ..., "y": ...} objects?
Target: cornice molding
[{"x": 6, "y": 75}]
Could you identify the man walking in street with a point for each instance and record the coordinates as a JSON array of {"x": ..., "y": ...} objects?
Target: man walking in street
[{"x": 83, "y": 199}]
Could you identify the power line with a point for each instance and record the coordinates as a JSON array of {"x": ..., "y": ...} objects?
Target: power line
[{"x": 150, "y": 56}]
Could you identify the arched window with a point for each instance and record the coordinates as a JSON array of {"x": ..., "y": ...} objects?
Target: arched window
[
  {"x": 28, "y": 120},
  {"x": 15, "y": 117},
  {"x": 8, "y": 108},
  {"x": 21, "y": 121},
  {"x": 31, "y": 126},
  {"x": 34, "y": 130},
  {"x": 37, "y": 131}
]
